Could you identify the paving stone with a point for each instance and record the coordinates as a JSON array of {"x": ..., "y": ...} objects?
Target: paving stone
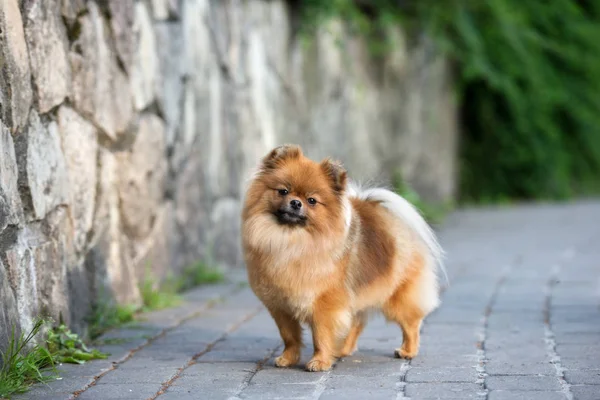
[
  {"x": 224, "y": 376},
  {"x": 208, "y": 392},
  {"x": 271, "y": 375},
  {"x": 272, "y": 392},
  {"x": 417, "y": 374},
  {"x": 61, "y": 388},
  {"x": 580, "y": 338},
  {"x": 583, "y": 376},
  {"x": 530, "y": 360},
  {"x": 44, "y": 395},
  {"x": 357, "y": 393},
  {"x": 154, "y": 374},
  {"x": 116, "y": 391},
  {"x": 586, "y": 392},
  {"x": 580, "y": 360},
  {"x": 520, "y": 395},
  {"x": 524, "y": 383},
  {"x": 434, "y": 361},
  {"x": 226, "y": 351},
  {"x": 517, "y": 367},
  {"x": 443, "y": 390}
]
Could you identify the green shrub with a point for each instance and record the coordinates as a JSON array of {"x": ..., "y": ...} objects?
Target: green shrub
[{"x": 528, "y": 83}]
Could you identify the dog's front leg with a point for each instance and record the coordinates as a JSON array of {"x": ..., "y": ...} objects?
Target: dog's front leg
[{"x": 330, "y": 322}]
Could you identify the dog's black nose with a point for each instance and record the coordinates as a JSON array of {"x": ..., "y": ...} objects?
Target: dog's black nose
[{"x": 296, "y": 204}]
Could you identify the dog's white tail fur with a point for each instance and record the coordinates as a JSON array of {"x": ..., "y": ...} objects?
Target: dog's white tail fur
[{"x": 408, "y": 213}]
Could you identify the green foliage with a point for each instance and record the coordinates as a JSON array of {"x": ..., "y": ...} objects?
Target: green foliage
[
  {"x": 199, "y": 274},
  {"x": 528, "y": 83},
  {"x": 106, "y": 315},
  {"x": 158, "y": 297},
  {"x": 67, "y": 347},
  {"x": 23, "y": 362},
  {"x": 26, "y": 362},
  {"x": 371, "y": 21}
]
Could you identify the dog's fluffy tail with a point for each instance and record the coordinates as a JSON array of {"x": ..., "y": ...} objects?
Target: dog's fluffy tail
[{"x": 408, "y": 213}]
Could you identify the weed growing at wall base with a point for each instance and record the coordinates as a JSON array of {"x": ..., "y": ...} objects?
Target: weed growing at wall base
[
  {"x": 106, "y": 315},
  {"x": 23, "y": 362},
  {"x": 158, "y": 297},
  {"x": 199, "y": 274},
  {"x": 67, "y": 347},
  {"x": 26, "y": 362}
]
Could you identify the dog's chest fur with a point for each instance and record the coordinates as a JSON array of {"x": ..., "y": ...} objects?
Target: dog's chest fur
[{"x": 294, "y": 287}]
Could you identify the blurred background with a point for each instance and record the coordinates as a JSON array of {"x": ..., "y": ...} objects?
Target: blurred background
[{"x": 130, "y": 127}]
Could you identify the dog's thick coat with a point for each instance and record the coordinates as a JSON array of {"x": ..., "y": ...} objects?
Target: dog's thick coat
[{"x": 346, "y": 253}]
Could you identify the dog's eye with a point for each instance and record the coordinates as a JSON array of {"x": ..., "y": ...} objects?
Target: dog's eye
[
  {"x": 312, "y": 201},
  {"x": 283, "y": 192}
]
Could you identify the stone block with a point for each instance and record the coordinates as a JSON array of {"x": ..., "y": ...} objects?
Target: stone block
[
  {"x": 80, "y": 147},
  {"x": 169, "y": 45},
  {"x": 15, "y": 76},
  {"x": 71, "y": 9},
  {"x": 100, "y": 88},
  {"x": 142, "y": 177},
  {"x": 48, "y": 53},
  {"x": 42, "y": 168},
  {"x": 144, "y": 76},
  {"x": 165, "y": 9},
  {"x": 11, "y": 210},
  {"x": 122, "y": 16},
  {"x": 9, "y": 313}
]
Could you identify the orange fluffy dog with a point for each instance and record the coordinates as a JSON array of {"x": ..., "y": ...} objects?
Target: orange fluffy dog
[{"x": 326, "y": 254}]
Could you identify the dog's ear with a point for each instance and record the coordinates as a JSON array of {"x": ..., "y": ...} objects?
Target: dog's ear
[
  {"x": 336, "y": 173},
  {"x": 281, "y": 153}
]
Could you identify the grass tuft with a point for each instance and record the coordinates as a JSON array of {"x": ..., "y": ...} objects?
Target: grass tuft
[
  {"x": 106, "y": 315},
  {"x": 199, "y": 274},
  {"x": 23, "y": 361},
  {"x": 26, "y": 362},
  {"x": 158, "y": 297}
]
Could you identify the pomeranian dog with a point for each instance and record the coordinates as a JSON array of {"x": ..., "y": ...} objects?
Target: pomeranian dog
[{"x": 324, "y": 253}]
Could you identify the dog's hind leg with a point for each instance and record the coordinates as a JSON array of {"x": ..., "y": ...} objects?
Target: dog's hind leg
[
  {"x": 350, "y": 343},
  {"x": 413, "y": 299}
]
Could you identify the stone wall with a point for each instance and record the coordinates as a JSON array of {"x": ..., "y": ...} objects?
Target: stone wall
[{"x": 128, "y": 128}]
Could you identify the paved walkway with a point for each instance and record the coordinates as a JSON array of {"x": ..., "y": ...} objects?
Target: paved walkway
[{"x": 520, "y": 320}]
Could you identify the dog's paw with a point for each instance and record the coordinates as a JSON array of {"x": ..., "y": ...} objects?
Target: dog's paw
[
  {"x": 283, "y": 361},
  {"x": 402, "y": 353},
  {"x": 316, "y": 365}
]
